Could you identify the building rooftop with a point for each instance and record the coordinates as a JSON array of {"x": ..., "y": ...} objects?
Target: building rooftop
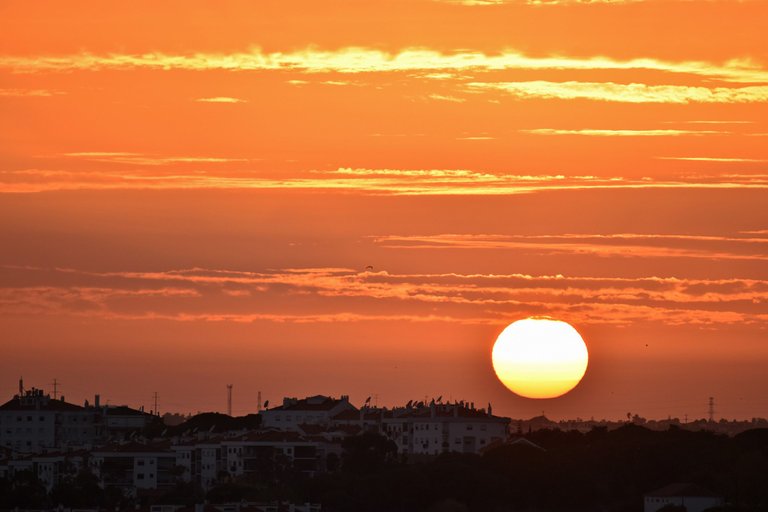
[
  {"x": 124, "y": 410},
  {"x": 38, "y": 403},
  {"x": 312, "y": 403},
  {"x": 270, "y": 436},
  {"x": 135, "y": 448}
]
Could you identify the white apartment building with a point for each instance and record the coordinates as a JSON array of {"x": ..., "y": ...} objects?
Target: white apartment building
[
  {"x": 436, "y": 428},
  {"x": 314, "y": 410}
]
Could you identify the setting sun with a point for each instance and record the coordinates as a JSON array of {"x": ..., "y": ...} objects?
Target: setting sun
[{"x": 539, "y": 357}]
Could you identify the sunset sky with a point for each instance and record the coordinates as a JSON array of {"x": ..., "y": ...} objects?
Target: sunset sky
[{"x": 356, "y": 197}]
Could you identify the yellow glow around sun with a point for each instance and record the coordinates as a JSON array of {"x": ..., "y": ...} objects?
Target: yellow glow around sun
[{"x": 539, "y": 357}]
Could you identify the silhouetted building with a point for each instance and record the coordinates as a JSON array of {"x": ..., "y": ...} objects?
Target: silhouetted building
[
  {"x": 134, "y": 467},
  {"x": 123, "y": 419},
  {"x": 256, "y": 453},
  {"x": 33, "y": 422},
  {"x": 694, "y": 498}
]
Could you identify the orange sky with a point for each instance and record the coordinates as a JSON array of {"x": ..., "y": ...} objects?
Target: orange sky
[{"x": 190, "y": 195}]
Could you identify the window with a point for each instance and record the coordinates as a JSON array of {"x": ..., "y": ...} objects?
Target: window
[{"x": 140, "y": 476}]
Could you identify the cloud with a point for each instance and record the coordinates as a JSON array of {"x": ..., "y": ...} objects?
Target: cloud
[
  {"x": 623, "y": 133},
  {"x": 481, "y": 3},
  {"x": 625, "y": 93},
  {"x": 441, "y": 97},
  {"x": 367, "y": 181},
  {"x": 709, "y": 122},
  {"x": 28, "y": 93},
  {"x": 475, "y": 3},
  {"x": 368, "y": 60},
  {"x": 221, "y": 99},
  {"x": 712, "y": 159},
  {"x": 323, "y": 295},
  {"x": 140, "y": 159},
  {"x": 627, "y": 245}
]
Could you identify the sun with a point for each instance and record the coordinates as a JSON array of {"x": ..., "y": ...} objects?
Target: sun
[{"x": 540, "y": 357}]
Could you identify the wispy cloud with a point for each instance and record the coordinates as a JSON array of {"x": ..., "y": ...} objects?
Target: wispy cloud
[
  {"x": 221, "y": 99},
  {"x": 626, "y": 93},
  {"x": 627, "y": 245},
  {"x": 141, "y": 159},
  {"x": 475, "y": 3},
  {"x": 623, "y": 133},
  {"x": 368, "y": 60},
  {"x": 368, "y": 181},
  {"x": 29, "y": 93},
  {"x": 442, "y": 97},
  {"x": 481, "y": 3},
  {"x": 342, "y": 295},
  {"x": 713, "y": 159},
  {"x": 709, "y": 122}
]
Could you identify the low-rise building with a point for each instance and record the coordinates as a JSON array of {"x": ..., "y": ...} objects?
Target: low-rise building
[
  {"x": 122, "y": 420},
  {"x": 261, "y": 453},
  {"x": 133, "y": 467}
]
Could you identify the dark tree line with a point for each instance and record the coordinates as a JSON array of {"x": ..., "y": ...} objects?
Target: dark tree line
[{"x": 597, "y": 471}]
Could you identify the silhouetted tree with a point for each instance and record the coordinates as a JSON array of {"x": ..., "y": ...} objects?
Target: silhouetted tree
[
  {"x": 79, "y": 492},
  {"x": 367, "y": 453},
  {"x": 24, "y": 491}
]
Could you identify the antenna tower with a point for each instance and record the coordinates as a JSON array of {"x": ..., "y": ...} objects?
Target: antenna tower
[
  {"x": 258, "y": 402},
  {"x": 229, "y": 399},
  {"x": 154, "y": 411},
  {"x": 55, "y": 388},
  {"x": 711, "y": 409}
]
